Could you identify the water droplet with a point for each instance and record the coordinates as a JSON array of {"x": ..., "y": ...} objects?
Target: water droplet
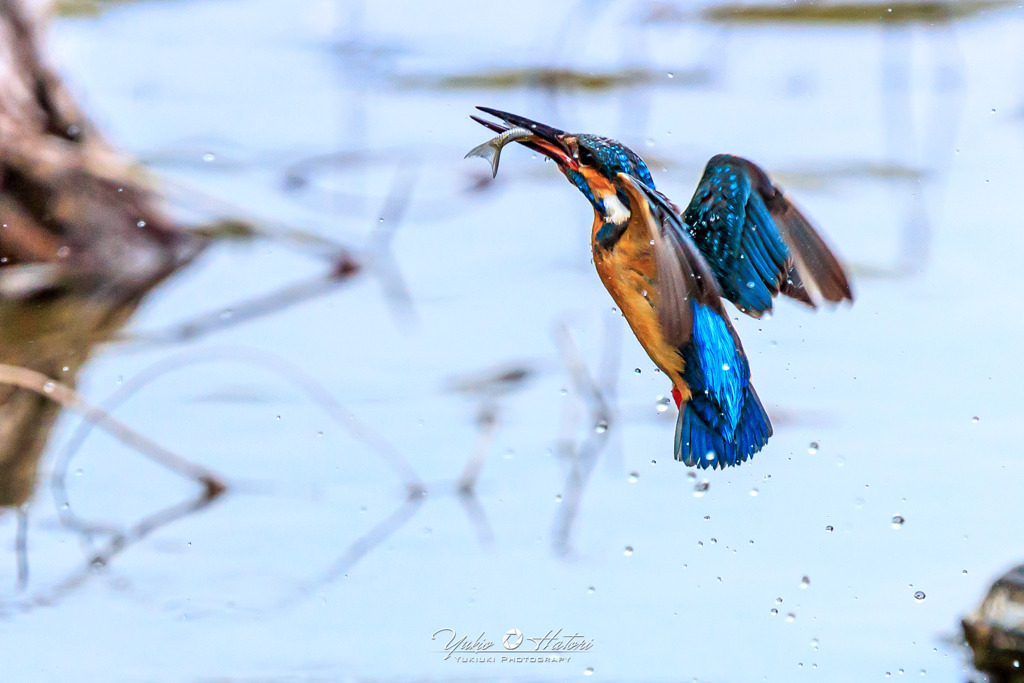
[
  {"x": 141, "y": 224},
  {"x": 750, "y": 284},
  {"x": 897, "y": 521},
  {"x": 707, "y": 518},
  {"x": 654, "y": 462},
  {"x": 78, "y": 472},
  {"x": 209, "y": 157},
  {"x": 701, "y": 487},
  {"x": 672, "y": 75},
  {"x": 563, "y": 391},
  {"x": 628, "y": 551},
  {"x": 633, "y": 476},
  {"x": 63, "y": 252},
  {"x": 637, "y": 370},
  {"x": 919, "y": 596},
  {"x": 790, "y": 617},
  {"x": 663, "y": 403},
  {"x": 590, "y": 590},
  {"x": 714, "y": 541},
  {"x": 773, "y": 611},
  {"x": 49, "y": 387},
  {"x": 558, "y": 497},
  {"x": 226, "y": 313},
  {"x": 601, "y": 427},
  {"x": 813, "y": 447},
  {"x": 725, "y": 367},
  {"x": 778, "y": 601},
  {"x": 805, "y": 582},
  {"x": 829, "y": 529},
  {"x": 975, "y": 419},
  {"x": 589, "y": 671},
  {"x": 964, "y": 572},
  {"x": 65, "y": 369},
  {"x": 753, "y": 492},
  {"x": 814, "y": 643}
]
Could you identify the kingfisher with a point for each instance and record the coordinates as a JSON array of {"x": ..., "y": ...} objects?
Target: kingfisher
[{"x": 667, "y": 270}]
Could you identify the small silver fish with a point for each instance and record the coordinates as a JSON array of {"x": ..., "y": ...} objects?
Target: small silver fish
[{"x": 491, "y": 150}]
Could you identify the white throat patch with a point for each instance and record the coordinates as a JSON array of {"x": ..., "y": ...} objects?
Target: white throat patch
[{"x": 615, "y": 211}]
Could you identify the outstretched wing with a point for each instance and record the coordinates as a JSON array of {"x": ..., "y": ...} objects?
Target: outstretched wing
[
  {"x": 757, "y": 243},
  {"x": 684, "y": 276},
  {"x": 723, "y": 423}
]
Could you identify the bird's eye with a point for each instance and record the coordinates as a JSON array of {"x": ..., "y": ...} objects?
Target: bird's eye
[{"x": 586, "y": 157}]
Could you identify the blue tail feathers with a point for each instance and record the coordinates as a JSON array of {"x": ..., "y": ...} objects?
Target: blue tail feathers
[
  {"x": 723, "y": 423},
  {"x": 699, "y": 443}
]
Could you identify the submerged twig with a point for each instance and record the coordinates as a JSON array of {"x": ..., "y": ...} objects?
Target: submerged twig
[
  {"x": 72, "y": 400},
  {"x": 261, "y": 359},
  {"x": 117, "y": 544},
  {"x": 584, "y": 455}
]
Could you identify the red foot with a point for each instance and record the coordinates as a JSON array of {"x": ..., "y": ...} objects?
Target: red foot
[{"x": 677, "y": 396}]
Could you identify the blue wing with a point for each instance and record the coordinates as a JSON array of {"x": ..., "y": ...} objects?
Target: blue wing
[
  {"x": 757, "y": 243},
  {"x": 724, "y": 422}
]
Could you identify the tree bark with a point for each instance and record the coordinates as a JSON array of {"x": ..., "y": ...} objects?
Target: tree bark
[{"x": 82, "y": 240}]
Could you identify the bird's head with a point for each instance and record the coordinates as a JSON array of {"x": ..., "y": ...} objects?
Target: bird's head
[{"x": 590, "y": 162}]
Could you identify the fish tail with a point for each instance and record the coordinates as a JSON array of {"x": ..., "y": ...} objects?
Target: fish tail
[{"x": 486, "y": 151}]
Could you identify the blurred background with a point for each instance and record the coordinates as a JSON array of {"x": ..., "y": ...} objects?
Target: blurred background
[{"x": 426, "y": 410}]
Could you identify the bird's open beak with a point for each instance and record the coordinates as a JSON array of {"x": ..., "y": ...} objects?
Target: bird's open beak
[{"x": 546, "y": 140}]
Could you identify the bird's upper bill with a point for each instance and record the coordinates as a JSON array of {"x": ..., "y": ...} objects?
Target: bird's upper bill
[{"x": 551, "y": 142}]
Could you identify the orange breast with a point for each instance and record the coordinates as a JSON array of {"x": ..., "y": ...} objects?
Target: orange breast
[{"x": 629, "y": 274}]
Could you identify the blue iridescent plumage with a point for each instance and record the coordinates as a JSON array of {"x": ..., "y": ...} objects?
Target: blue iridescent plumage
[
  {"x": 739, "y": 239},
  {"x": 731, "y": 225}
]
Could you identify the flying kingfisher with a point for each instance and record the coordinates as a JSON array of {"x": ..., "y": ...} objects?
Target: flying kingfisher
[{"x": 668, "y": 270}]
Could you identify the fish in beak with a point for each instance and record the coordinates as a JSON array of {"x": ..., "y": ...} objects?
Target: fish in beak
[{"x": 514, "y": 128}]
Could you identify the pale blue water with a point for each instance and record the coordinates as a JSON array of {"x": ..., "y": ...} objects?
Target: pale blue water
[{"x": 887, "y": 388}]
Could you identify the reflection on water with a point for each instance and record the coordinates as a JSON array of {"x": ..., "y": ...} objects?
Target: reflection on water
[{"x": 467, "y": 437}]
